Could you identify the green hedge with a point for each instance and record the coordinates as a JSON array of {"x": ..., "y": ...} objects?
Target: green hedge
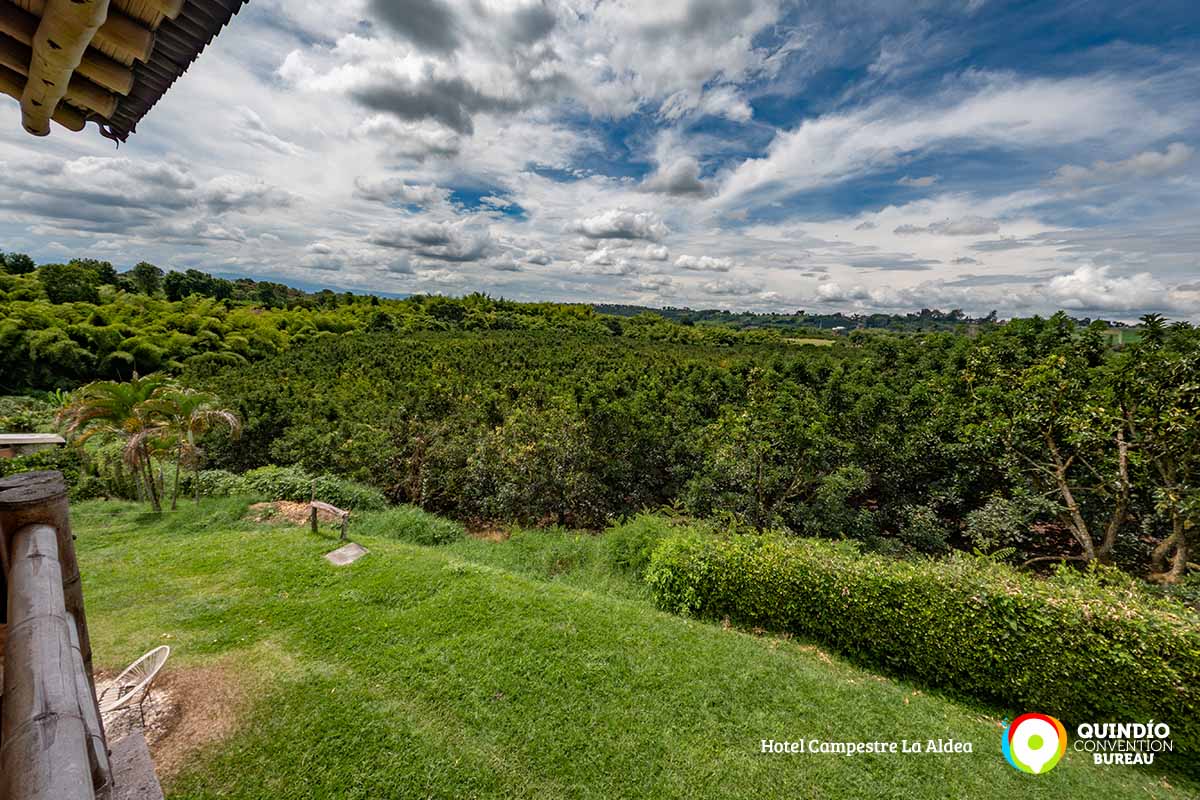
[
  {"x": 288, "y": 483},
  {"x": 1092, "y": 647}
]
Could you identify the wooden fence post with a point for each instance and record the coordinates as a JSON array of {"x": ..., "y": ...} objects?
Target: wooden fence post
[
  {"x": 45, "y": 752},
  {"x": 33, "y": 514},
  {"x": 41, "y": 498}
]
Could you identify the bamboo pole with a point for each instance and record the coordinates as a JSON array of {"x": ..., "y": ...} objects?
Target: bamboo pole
[
  {"x": 126, "y": 36},
  {"x": 13, "y": 85},
  {"x": 62, "y": 37},
  {"x": 45, "y": 754},
  {"x": 80, "y": 91},
  {"x": 168, "y": 8},
  {"x": 95, "y": 66}
]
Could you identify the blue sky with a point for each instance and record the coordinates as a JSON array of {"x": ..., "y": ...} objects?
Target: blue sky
[{"x": 855, "y": 155}]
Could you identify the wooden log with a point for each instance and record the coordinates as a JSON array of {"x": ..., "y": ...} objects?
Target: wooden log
[
  {"x": 97, "y": 749},
  {"x": 345, "y": 524},
  {"x": 317, "y": 504},
  {"x": 124, "y": 35},
  {"x": 13, "y": 85},
  {"x": 45, "y": 739},
  {"x": 41, "y": 498},
  {"x": 80, "y": 91},
  {"x": 62, "y": 37},
  {"x": 95, "y": 66},
  {"x": 312, "y": 517}
]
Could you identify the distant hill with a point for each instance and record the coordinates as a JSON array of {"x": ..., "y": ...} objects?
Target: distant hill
[{"x": 801, "y": 321}]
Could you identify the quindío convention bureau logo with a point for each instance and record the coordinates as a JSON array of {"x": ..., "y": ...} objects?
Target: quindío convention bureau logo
[{"x": 1034, "y": 743}]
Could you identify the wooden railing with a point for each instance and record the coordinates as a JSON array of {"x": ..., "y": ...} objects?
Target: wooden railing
[{"x": 52, "y": 744}]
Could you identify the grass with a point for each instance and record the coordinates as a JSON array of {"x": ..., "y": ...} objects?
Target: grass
[{"x": 515, "y": 669}]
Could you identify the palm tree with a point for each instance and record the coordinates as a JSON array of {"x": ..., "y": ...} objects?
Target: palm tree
[
  {"x": 118, "y": 410},
  {"x": 1153, "y": 327},
  {"x": 189, "y": 414}
]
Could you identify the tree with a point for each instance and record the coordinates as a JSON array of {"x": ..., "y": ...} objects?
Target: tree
[
  {"x": 188, "y": 415},
  {"x": 69, "y": 283},
  {"x": 762, "y": 461},
  {"x": 1159, "y": 385},
  {"x": 1056, "y": 422},
  {"x": 146, "y": 278},
  {"x": 17, "y": 263},
  {"x": 105, "y": 272},
  {"x": 120, "y": 411}
]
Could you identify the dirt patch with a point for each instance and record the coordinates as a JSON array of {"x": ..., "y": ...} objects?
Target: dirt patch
[
  {"x": 488, "y": 532},
  {"x": 186, "y": 710},
  {"x": 289, "y": 512}
]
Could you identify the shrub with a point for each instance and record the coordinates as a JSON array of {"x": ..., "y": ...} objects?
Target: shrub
[
  {"x": 288, "y": 483},
  {"x": 627, "y": 547},
  {"x": 1082, "y": 647},
  {"x": 64, "y": 459},
  {"x": 409, "y": 524},
  {"x": 217, "y": 483}
]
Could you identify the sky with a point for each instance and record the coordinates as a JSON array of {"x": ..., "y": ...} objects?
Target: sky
[{"x": 852, "y": 155}]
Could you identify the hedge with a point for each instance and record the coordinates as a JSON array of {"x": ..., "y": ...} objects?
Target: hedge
[
  {"x": 1081, "y": 647},
  {"x": 288, "y": 483}
]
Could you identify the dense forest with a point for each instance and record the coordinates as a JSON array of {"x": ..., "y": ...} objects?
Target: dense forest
[{"x": 1033, "y": 440}]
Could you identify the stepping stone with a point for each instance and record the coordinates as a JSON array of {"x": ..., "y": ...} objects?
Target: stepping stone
[{"x": 346, "y": 555}]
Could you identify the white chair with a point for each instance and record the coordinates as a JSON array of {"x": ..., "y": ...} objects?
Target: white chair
[{"x": 134, "y": 683}]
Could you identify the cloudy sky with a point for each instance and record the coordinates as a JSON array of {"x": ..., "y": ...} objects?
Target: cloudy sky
[{"x": 852, "y": 154}]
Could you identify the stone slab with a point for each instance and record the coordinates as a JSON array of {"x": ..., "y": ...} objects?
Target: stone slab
[
  {"x": 347, "y": 554},
  {"x": 133, "y": 771}
]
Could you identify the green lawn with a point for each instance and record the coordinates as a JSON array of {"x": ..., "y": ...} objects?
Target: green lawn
[{"x": 514, "y": 669}]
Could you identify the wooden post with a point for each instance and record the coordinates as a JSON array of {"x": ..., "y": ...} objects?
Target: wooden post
[
  {"x": 312, "y": 516},
  {"x": 345, "y": 523},
  {"x": 45, "y": 753},
  {"x": 40, "y": 498}
]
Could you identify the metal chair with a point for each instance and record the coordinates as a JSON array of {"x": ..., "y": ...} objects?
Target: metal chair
[{"x": 134, "y": 682}]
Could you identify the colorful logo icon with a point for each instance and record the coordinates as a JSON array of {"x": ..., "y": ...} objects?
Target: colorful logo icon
[{"x": 1034, "y": 743}]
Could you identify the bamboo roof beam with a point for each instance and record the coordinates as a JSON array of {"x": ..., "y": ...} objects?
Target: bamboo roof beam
[
  {"x": 127, "y": 37},
  {"x": 13, "y": 85},
  {"x": 96, "y": 67},
  {"x": 168, "y": 8},
  {"x": 63, "y": 35},
  {"x": 80, "y": 91}
]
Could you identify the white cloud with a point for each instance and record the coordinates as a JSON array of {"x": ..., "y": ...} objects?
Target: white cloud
[
  {"x": 704, "y": 263},
  {"x": 988, "y": 110},
  {"x": 1092, "y": 287},
  {"x": 966, "y": 226},
  {"x": 622, "y": 224},
  {"x": 393, "y": 189},
  {"x": 1148, "y": 164}
]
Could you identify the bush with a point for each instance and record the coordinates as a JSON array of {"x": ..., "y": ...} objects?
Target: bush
[
  {"x": 628, "y": 546},
  {"x": 1083, "y": 647},
  {"x": 216, "y": 483},
  {"x": 288, "y": 483},
  {"x": 409, "y": 524},
  {"x": 64, "y": 459}
]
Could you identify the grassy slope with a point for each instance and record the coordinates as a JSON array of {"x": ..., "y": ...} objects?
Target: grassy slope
[{"x": 421, "y": 672}]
